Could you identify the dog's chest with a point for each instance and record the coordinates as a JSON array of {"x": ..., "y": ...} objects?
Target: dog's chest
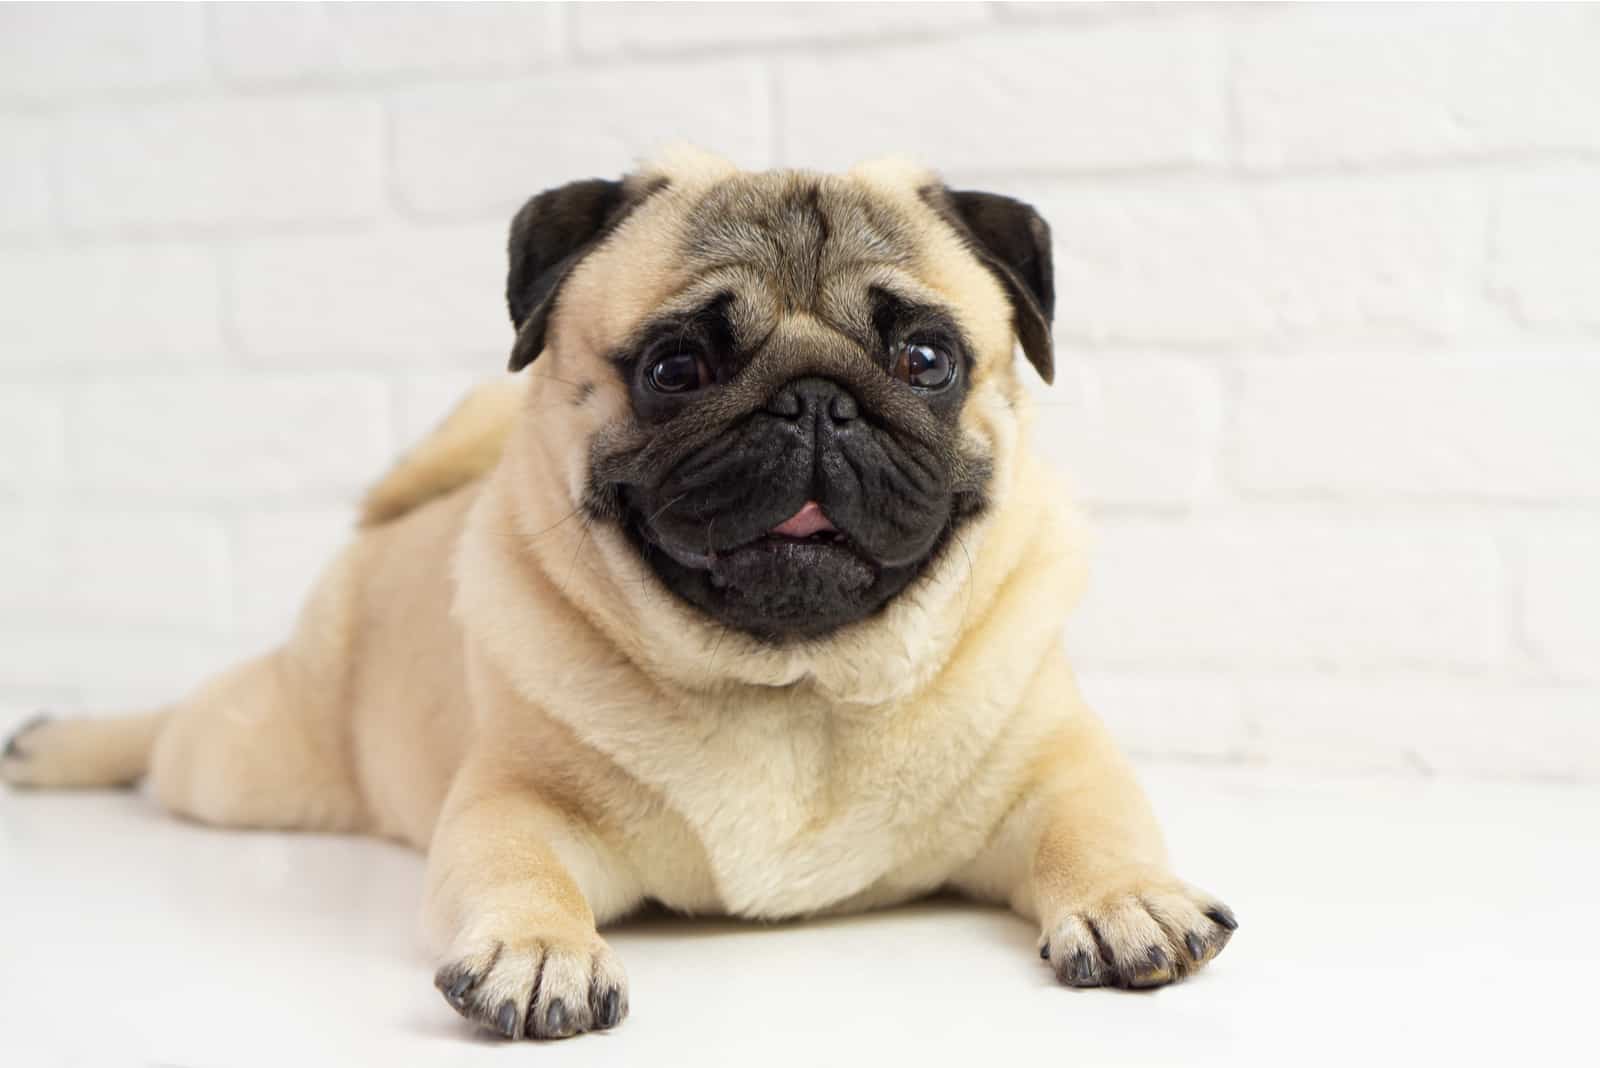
[{"x": 799, "y": 807}]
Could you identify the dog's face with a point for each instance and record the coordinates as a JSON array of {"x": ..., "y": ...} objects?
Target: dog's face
[{"x": 789, "y": 364}]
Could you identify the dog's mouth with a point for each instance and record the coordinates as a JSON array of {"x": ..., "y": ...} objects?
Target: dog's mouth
[
  {"x": 807, "y": 536},
  {"x": 799, "y": 578}
]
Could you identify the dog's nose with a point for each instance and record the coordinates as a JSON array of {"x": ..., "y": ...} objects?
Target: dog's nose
[{"x": 806, "y": 398}]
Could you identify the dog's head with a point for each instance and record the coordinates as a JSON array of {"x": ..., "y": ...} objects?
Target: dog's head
[{"x": 784, "y": 393}]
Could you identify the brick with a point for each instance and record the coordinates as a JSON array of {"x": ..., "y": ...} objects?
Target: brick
[
  {"x": 24, "y": 176},
  {"x": 318, "y": 42},
  {"x": 1197, "y": 717},
  {"x": 235, "y": 162},
  {"x": 1443, "y": 727},
  {"x": 1131, "y": 433},
  {"x": 1336, "y": 85},
  {"x": 280, "y": 555},
  {"x": 1205, "y": 264},
  {"x": 1118, "y": 96},
  {"x": 484, "y": 149},
  {"x": 423, "y": 293},
  {"x": 1561, "y": 600},
  {"x": 114, "y": 304},
  {"x": 611, "y": 29},
  {"x": 1542, "y": 261},
  {"x": 230, "y": 438},
  {"x": 50, "y": 50},
  {"x": 148, "y": 570},
  {"x": 1301, "y": 593},
  {"x": 33, "y": 437},
  {"x": 1519, "y": 430}
]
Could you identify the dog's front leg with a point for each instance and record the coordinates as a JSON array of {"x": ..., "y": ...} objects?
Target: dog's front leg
[
  {"x": 1082, "y": 854},
  {"x": 504, "y": 894}
]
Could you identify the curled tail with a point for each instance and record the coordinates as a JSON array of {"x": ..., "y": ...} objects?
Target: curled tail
[
  {"x": 81, "y": 752},
  {"x": 467, "y": 444}
]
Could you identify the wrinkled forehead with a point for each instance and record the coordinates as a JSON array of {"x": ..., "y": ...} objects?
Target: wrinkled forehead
[
  {"x": 789, "y": 245},
  {"x": 781, "y": 245},
  {"x": 789, "y": 234}
]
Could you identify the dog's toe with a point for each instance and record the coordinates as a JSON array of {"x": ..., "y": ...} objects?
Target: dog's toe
[
  {"x": 537, "y": 988},
  {"x": 1137, "y": 937}
]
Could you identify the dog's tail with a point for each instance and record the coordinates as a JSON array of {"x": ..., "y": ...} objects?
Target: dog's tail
[
  {"x": 467, "y": 444},
  {"x": 81, "y": 752}
]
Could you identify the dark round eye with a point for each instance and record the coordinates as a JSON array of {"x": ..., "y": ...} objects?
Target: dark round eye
[
  {"x": 678, "y": 373},
  {"x": 925, "y": 366}
]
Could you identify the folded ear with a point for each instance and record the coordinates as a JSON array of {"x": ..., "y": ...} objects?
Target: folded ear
[
  {"x": 549, "y": 236},
  {"x": 1013, "y": 241}
]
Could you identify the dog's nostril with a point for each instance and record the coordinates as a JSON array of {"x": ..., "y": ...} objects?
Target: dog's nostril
[
  {"x": 786, "y": 403},
  {"x": 843, "y": 408}
]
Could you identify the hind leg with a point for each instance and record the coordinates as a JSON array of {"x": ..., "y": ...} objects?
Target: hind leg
[{"x": 259, "y": 746}]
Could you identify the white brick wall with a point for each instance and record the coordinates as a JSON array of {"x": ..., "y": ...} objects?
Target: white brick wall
[
  {"x": 1329, "y": 321},
  {"x": 24, "y": 175},
  {"x": 1017, "y": 100},
  {"x": 1511, "y": 428},
  {"x": 1209, "y": 261},
  {"x": 50, "y": 53},
  {"x": 1541, "y": 226},
  {"x": 476, "y": 149},
  {"x": 272, "y": 43},
  {"x": 235, "y": 437},
  {"x": 1472, "y": 80},
  {"x": 108, "y": 305},
  {"x": 413, "y": 295}
]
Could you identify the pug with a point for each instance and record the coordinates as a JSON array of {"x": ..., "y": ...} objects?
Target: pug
[{"x": 743, "y": 597}]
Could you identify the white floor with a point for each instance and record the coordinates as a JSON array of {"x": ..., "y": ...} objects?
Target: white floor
[{"x": 1379, "y": 920}]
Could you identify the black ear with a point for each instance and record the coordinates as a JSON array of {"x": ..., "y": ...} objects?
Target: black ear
[
  {"x": 551, "y": 233},
  {"x": 1013, "y": 241}
]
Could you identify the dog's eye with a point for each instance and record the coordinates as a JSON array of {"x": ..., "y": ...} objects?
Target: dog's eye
[
  {"x": 925, "y": 366},
  {"x": 678, "y": 373}
]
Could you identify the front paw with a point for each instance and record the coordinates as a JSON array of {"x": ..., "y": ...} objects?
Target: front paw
[
  {"x": 537, "y": 987},
  {"x": 1145, "y": 934}
]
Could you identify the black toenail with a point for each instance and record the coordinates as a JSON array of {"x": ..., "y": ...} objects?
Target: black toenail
[
  {"x": 506, "y": 1019},
  {"x": 1223, "y": 918},
  {"x": 12, "y": 750},
  {"x": 610, "y": 1008},
  {"x": 555, "y": 1017}
]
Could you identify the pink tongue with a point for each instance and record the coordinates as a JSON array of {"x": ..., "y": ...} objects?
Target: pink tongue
[{"x": 807, "y": 521}]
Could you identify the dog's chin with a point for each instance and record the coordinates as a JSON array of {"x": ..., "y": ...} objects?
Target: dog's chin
[{"x": 779, "y": 588}]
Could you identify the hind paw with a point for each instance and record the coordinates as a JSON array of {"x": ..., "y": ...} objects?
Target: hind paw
[{"x": 16, "y": 756}]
